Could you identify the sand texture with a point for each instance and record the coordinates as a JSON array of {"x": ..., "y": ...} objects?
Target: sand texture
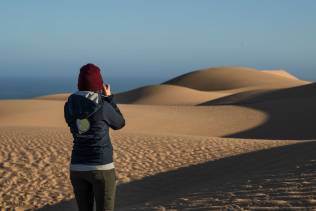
[
  {"x": 213, "y": 139},
  {"x": 34, "y": 170}
]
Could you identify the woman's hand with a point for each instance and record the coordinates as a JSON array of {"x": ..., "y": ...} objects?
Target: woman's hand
[{"x": 106, "y": 89}]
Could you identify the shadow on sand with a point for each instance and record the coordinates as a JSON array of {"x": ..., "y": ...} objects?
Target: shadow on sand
[
  {"x": 291, "y": 112},
  {"x": 278, "y": 177}
]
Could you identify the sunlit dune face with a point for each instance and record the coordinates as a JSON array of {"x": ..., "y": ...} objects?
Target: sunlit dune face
[{"x": 191, "y": 120}]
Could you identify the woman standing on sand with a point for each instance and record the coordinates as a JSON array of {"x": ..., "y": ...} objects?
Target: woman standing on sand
[{"x": 89, "y": 113}]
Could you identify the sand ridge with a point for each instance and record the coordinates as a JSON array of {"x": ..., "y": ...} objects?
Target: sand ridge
[
  {"x": 282, "y": 73},
  {"x": 167, "y": 95},
  {"x": 201, "y": 86},
  {"x": 225, "y": 78}
]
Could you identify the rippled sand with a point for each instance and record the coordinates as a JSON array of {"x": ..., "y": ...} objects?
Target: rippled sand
[{"x": 34, "y": 169}]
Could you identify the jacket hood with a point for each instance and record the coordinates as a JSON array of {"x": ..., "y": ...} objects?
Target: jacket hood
[
  {"x": 93, "y": 96},
  {"x": 84, "y": 103}
]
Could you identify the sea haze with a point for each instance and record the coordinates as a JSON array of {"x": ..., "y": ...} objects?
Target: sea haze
[{"x": 23, "y": 88}]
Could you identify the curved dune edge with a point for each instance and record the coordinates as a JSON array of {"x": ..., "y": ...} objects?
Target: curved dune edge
[
  {"x": 167, "y": 95},
  {"x": 189, "y": 120},
  {"x": 282, "y": 73},
  {"x": 244, "y": 97},
  {"x": 273, "y": 114}
]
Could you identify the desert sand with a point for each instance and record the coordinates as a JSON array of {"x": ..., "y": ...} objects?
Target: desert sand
[{"x": 213, "y": 139}]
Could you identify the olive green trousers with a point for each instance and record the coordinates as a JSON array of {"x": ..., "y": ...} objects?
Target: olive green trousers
[{"x": 98, "y": 185}]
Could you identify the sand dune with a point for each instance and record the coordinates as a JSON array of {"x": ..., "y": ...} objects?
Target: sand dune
[
  {"x": 167, "y": 95},
  {"x": 173, "y": 154},
  {"x": 189, "y": 120},
  {"x": 202, "y": 86},
  {"x": 38, "y": 113},
  {"x": 290, "y": 113},
  {"x": 209, "y": 85},
  {"x": 224, "y": 78},
  {"x": 273, "y": 114},
  {"x": 159, "y": 95}
]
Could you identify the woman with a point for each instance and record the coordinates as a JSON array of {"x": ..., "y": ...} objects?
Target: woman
[{"x": 89, "y": 113}]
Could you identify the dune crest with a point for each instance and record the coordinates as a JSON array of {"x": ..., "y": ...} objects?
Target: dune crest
[
  {"x": 283, "y": 73},
  {"x": 225, "y": 78}
]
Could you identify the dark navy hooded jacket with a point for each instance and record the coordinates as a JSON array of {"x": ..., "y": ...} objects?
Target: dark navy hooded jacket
[{"x": 92, "y": 147}]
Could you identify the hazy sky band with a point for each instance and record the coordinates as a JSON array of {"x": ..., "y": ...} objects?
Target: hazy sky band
[{"x": 152, "y": 38}]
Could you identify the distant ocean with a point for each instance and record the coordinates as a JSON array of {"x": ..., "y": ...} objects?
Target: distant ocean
[{"x": 23, "y": 88}]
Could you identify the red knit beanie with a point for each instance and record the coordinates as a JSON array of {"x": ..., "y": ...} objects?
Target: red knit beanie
[{"x": 90, "y": 78}]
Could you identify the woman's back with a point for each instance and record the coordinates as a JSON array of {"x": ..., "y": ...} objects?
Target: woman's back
[
  {"x": 92, "y": 147},
  {"x": 89, "y": 113}
]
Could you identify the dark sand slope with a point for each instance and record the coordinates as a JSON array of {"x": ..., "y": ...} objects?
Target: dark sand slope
[
  {"x": 260, "y": 96},
  {"x": 291, "y": 112}
]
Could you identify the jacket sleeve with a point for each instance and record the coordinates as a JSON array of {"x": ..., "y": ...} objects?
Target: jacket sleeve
[
  {"x": 66, "y": 113},
  {"x": 112, "y": 114}
]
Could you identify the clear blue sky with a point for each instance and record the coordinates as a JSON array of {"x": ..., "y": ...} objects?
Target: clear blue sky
[{"x": 156, "y": 38}]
